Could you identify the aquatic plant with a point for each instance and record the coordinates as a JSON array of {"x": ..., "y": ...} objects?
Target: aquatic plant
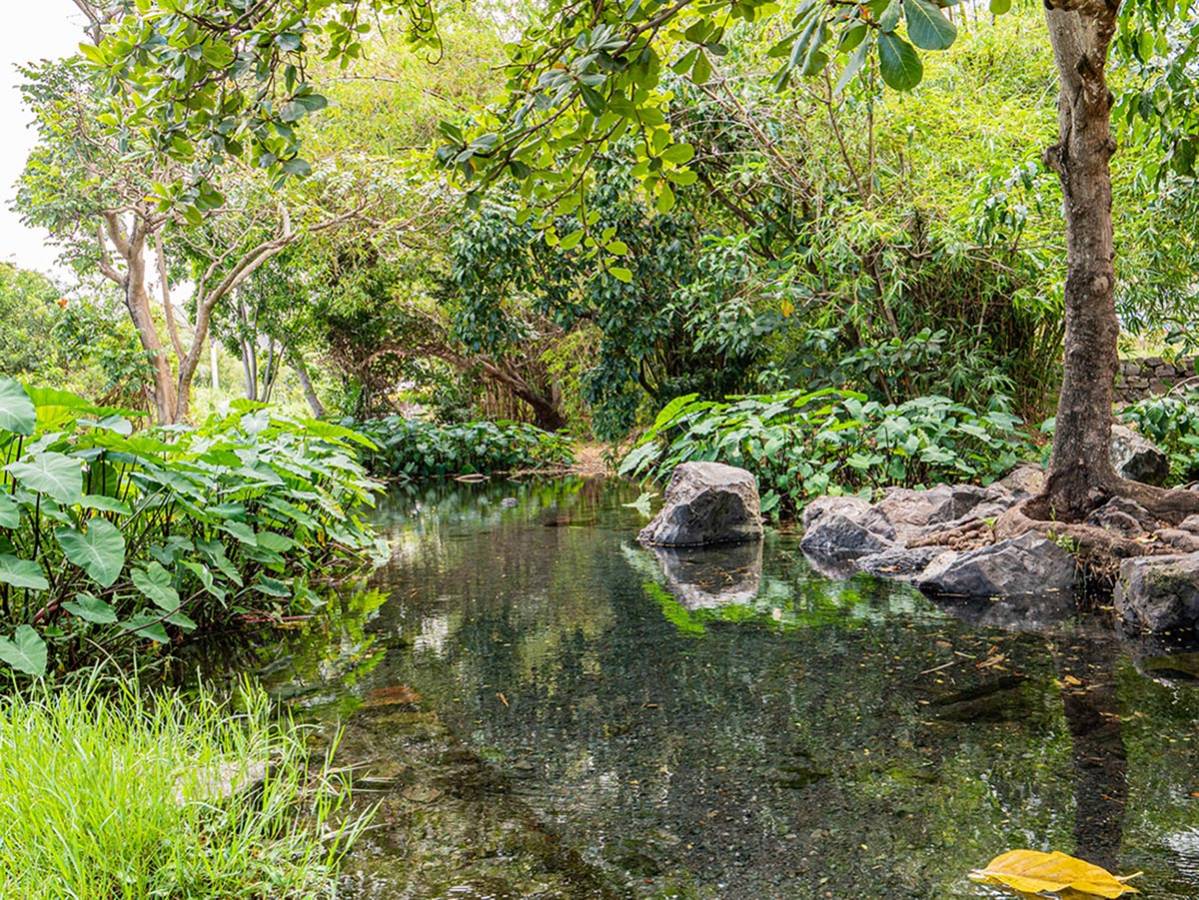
[
  {"x": 801, "y": 445},
  {"x": 411, "y": 449},
  {"x": 110, "y": 536},
  {"x": 162, "y": 795}
]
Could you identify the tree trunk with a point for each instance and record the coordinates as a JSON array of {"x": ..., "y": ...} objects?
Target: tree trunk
[
  {"x": 1080, "y": 471},
  {"x": 301, "y": 370},
  {"x": 137, "y": 301}
]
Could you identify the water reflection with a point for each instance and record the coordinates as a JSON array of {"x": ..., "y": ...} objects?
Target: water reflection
[{"x": 735, "y": 726}]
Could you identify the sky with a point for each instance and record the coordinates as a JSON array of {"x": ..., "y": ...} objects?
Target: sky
[{"x": 46, "y": 29}]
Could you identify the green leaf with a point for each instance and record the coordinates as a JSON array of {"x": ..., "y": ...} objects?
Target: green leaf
[
  {"x": 100, "y": 503},
  {"x": 927, "y": 26},
  {"x": 25, "y": 652},
  {"x": 679, "y": 154},
  {"x": 22, "y": 573},
  {"x": 99, "y": 551},
  {"x": 898, "y": 62},
  {"x": 53, "y": 474},
  {"x": 621, "y": 274},
  {"x": 16, "y": 409},
  {"x": 10, "y": 512},
  {"x": 999, "y": 7},
  {"x": 90, "y": 608},
  {"x": 155, "y": 583},
  {"x": 241, "y": 531},
  {"x": 145, "y": 625}
]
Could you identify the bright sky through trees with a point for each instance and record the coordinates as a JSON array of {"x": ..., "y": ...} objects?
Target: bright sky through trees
[{"x": 48, "y": 29}]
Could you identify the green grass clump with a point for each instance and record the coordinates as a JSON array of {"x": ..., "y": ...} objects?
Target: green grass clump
[{"x": 107, "y": 796}]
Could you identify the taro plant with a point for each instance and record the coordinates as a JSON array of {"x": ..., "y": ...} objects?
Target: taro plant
[
  {"x": 1171, "y": 422},
  {"x": 414, "y": 449},
  {"x": 108, "y": 535},
  {"x": 801, "y": 445}
]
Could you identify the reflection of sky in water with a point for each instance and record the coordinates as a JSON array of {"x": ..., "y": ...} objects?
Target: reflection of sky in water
[{"x": 746, "y": 728}]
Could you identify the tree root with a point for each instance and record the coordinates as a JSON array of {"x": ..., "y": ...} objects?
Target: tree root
[
  {"x": 975, "y": 533},
  {"x": 1171, "y": 504},
  {"x": 1085, "y": 541}
]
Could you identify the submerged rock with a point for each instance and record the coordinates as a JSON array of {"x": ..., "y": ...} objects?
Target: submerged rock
[
  {"x": 705, "y": 578},
  {"x": 1025, "y": 565},
  {"x": 1136, "y": 458},
  {"x": 1159, "y": 593},
  {"x": 706, "y": 503}
]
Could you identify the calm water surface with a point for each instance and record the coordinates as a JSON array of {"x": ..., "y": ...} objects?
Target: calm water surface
[{"x": 557, "y": 712}]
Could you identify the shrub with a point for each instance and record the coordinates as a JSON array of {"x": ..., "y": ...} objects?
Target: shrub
[
  {"x": 1171, "y": 422},
  {"x": 161, "y": 796},
  {"x": 803, "y": 445},
  {"x": 110, "y": 536},
  {"x": 412, "y": 449}
]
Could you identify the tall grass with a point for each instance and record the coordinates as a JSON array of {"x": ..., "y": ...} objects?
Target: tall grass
[{"x": 163, "y": 795}]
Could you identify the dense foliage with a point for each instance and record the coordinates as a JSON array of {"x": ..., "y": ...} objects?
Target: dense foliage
[
  {"x": 109, "y": 535},
  {"x": 802, "y": 445},
  {"x": 412, "y": 449},
  {"x": 1171, "y": 422},
  {"x": 163, "y": 795}
]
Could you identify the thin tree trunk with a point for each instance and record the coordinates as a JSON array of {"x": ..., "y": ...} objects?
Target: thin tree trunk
[
  {"x": 137, "y": 300},
  {"x": 1080, "y": 471},
  {"x": 301, "y": 370}
]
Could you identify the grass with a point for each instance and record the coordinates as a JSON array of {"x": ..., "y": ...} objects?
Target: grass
[{"x": 164, "y": 795}]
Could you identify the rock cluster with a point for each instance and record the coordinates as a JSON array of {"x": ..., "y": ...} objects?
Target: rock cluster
[{"x": 891, "y": 539}]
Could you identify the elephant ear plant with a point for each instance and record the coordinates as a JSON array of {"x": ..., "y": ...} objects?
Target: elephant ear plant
[{"x": 112, "y": 537}]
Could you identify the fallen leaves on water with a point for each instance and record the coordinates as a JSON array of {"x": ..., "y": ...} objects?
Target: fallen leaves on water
[{"x": 1032, "y": 872}]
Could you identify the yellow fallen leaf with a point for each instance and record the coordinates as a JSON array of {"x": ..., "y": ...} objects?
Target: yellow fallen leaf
[{"x": 1034, "y": 872}]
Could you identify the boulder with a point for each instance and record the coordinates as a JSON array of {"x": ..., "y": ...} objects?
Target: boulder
[
  {"x": 1024, "y": 481},
  {"x": 911, "y": 512},
  {"x": 844, "y": 532},
  {"x": 900, "y": 563},
  {"x": 706, "y": 503},
  {"x": 1159, "y": 593},
  {"x": 1136, "y": 458},
  {"x": 1028, "y": 564},
  {"x": 853, "y": 507}
]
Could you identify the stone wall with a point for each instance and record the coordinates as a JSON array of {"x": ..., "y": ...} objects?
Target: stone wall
[{"x": 1150, "y": 375}]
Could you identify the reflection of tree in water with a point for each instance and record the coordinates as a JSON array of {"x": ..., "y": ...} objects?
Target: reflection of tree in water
[{"x": 1088, "y": 675}]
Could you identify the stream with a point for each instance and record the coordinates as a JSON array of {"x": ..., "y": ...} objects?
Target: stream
[{"x": 538, "y": 707}]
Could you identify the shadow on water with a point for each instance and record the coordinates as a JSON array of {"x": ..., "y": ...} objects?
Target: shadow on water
[{"x": 544, "y": 709}]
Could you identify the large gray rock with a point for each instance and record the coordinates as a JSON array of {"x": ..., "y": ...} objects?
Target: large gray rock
[
  {"x": 1028, "y": 564},
  {"x": 706, "y": 503},
  {"x": 1136, "y": 458},
  {"x": 1123, "y": 516},
  {"x": 1024, "y": 481},
  {"x": 841, "y": 537},
  {"x": 1159, "y": 593},
  {"x": 912, "y": 512},
  {"x": 852, "y": 507}
]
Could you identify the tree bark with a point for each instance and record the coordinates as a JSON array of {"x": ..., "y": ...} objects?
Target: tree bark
[
  {"x": 1080, "y": 472},
  {"x": 301, "y": 370}
]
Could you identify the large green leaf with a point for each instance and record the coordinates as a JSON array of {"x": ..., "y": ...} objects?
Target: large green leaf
[
  {"x": 145, "y": 625},
  {"x": 53, "y": 474},
  {"x": 25, "y": 652},
  {"x": 22, "y": 573},
  {"x": 927, "y": 26},
  {"x": 16, "y": 409},
  {"x": 91, "y": 609},
  {"x": 155, "y": 582},
  {"x": 99, "y": 551},
  {"x": 898, "y": 63},
  {"x": 10, "y": 512}
]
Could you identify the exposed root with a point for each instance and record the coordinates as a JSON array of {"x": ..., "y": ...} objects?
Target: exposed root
[
  {"x": 1171, "y": 504},
  {"x": 1088, "y": 542},
  {"x": 975, "y": 533}
]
